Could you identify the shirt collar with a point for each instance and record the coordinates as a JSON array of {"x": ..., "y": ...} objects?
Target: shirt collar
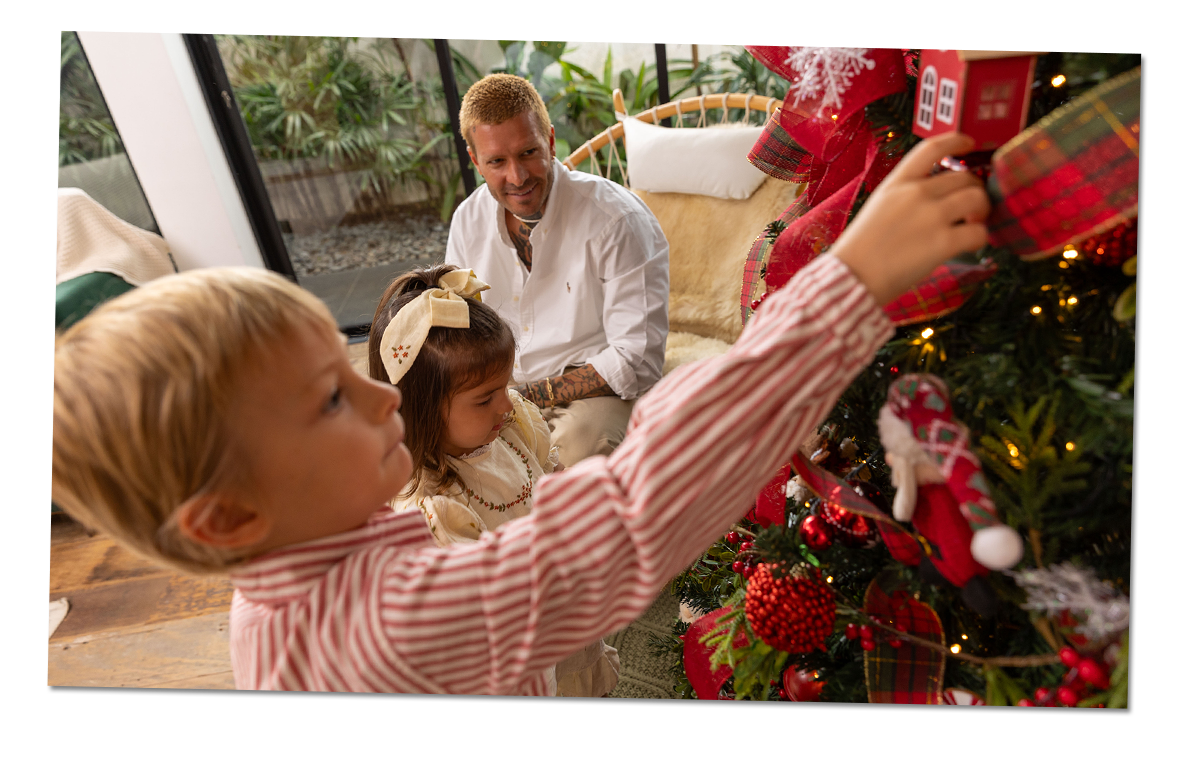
[
  {"x": 291, "y": 572},
  {"x": 560, "y": 177}
]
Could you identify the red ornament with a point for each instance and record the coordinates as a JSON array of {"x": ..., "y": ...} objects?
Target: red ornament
[
  {"x": 1113, "y": 247},
  {"x": 816, "y": 533},
  {"x": 1069, "y": 657},
  {"x": 747, "y": 571},
  {"x": 800, "y": 685},
  {"x": 1093, "y": 673},
  {"x": 1067, "y": 696},
  {"x": 851, "y": 631},
  {"x": 794, "y": 612},
  {"x": 737, "y": 566},
  {"x": 983, "y": 94},
  {"x": 866, "y": 632},
  {"x": 745, "y": 546},
  {"x": 733, "y": 537},
  {"x": 852, "y": 529}
]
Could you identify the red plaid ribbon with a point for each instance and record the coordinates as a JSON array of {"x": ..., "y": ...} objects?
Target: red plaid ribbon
[
  {"x": 945, "y": 290},
  {"x": 777, "y": 154},
  {"x": 908, "y": 673},
  {"x": 1070, "y": 176}
]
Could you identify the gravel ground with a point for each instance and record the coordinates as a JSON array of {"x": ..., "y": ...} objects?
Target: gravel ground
[{"x": 419, "y": 239}]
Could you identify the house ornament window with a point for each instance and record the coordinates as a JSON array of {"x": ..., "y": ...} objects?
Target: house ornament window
[
  {"x": 995, "y": 101},
  {"x": 946, "y": 112},
  {"x": 927, "y": 99}
]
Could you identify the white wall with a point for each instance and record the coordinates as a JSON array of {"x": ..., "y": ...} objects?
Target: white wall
[{"x": 150, "y": 87}]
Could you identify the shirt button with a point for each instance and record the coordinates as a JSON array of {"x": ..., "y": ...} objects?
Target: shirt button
[
  {"x": 515, "y": 299},
  {"x": 525, "y": 328}
]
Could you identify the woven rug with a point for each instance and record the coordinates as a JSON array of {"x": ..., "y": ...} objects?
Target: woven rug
[{"x": 642, "y": 674}]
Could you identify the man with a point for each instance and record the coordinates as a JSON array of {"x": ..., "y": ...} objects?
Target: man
[{"x": 577, "y": 265}]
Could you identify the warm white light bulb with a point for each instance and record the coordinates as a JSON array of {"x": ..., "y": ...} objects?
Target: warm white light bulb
[
  {"x": 1058, "y": 80},
  {"x": 927, "y": 333},
  {"x": 1036, "y": 310}
]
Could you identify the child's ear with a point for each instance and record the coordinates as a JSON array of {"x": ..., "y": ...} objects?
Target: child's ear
[{"x": 220, "y": 520}]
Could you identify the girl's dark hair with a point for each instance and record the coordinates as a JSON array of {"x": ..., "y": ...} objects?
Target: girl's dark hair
[{"x": 450, "y": 361}]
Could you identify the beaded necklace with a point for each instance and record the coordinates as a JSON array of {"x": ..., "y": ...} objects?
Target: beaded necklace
[{"x": 524, "y": 493}]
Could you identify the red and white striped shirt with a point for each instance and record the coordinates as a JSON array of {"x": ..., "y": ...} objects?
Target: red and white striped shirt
[{"x": 382, "y": 609}]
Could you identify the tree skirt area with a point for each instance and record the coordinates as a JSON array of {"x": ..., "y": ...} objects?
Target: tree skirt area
[
  {"x": 417, "y": 239},
  {"x": 642, "y": 674}
]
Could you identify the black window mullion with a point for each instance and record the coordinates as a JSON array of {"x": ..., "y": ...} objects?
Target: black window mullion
[{"x": 232, "y": 134}]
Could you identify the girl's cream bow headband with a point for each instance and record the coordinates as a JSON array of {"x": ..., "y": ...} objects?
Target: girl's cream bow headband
[{"x": 442, "y": 306}]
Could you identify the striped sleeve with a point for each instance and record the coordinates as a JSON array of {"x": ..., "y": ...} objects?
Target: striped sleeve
[{"x": 607, "y": 534}]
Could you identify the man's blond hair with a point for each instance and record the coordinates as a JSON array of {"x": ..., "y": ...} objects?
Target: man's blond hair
[
  {"x": 497, "y": 98},
  {"x": 143, "y": 387}
]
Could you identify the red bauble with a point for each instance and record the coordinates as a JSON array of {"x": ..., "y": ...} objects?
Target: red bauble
[
  {"x": 852, "y": 529},
  {"x": 816, "y": 533},
  {"x": 1093, "y": 673},
  {"x": 794, "y": 612},
  {"x": 1114, "y": 247},
  {"x": 733, "y": 537},
  {"x": 801, "y": 685},
  {"x": 1067, "y": 696},
  {"x": 1069, "y": 657}
]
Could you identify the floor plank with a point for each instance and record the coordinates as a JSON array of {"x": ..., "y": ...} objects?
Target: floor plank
[
  {"x": 139, "y": 602},
  {"x": 183, "y": 654},
  {"x": 95, "y": 560}
]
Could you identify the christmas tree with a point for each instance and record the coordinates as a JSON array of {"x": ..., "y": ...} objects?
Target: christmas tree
[{"x": 825, "y": 590}]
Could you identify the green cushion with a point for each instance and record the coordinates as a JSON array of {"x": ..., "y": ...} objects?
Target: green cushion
[{"x": 78, "y": 296}]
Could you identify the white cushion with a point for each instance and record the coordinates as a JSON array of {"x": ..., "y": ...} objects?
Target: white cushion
[{"x": 709, "y": 160}]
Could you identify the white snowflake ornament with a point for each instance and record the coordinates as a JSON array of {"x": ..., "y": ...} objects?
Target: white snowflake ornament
[{"x": 824, "y": 74}]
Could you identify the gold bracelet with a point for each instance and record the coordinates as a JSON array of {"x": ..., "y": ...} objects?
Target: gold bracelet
[{"x": 548, "y": 387}]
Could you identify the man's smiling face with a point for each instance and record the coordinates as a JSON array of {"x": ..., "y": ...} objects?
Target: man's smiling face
[{"x": 515, "y": 158}]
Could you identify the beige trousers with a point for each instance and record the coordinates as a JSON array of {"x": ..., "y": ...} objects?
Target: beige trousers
[{"x": 586, "y": 427}]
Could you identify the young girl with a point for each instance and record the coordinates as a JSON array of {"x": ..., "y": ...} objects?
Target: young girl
[{"x": 477, "y": 447}]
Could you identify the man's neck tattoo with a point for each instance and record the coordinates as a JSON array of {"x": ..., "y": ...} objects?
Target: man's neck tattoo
[{"x": 520, "y": 236}]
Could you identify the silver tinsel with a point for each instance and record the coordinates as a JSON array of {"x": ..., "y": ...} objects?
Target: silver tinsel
[{"x": 1102, "y": 611}]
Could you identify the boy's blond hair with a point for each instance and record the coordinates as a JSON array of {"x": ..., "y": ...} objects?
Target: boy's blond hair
[
  {"x": 497, "y": 98},
  {"x": 143, "y": 387}
]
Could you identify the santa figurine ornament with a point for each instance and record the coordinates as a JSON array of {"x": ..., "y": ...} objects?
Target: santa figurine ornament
[{"x": 942, "y": 491}]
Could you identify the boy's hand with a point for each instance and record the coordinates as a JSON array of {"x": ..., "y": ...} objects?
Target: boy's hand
[{"x": 914, "y": 222}]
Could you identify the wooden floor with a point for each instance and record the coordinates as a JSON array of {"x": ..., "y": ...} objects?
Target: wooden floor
[{"x": 132, "y": 624}]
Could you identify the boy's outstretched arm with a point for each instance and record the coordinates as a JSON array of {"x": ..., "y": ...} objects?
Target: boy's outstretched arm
[{"x": 608, "y": 533}]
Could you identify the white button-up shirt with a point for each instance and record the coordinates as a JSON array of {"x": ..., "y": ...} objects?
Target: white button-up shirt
[{"x": 598, "y": 290}]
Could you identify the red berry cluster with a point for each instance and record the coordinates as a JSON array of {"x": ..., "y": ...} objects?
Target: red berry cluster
[
  {"x": 792, "y": 613},
  {"x": 1082, "y": 672},
  {"x": 1114, "y": 247},
  {"x": 745, "y": 560},
  {"x": 853, "y": 631}
]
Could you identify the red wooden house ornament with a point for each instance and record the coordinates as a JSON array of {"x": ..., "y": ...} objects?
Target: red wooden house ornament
[{"x": 984, "y": 94}]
